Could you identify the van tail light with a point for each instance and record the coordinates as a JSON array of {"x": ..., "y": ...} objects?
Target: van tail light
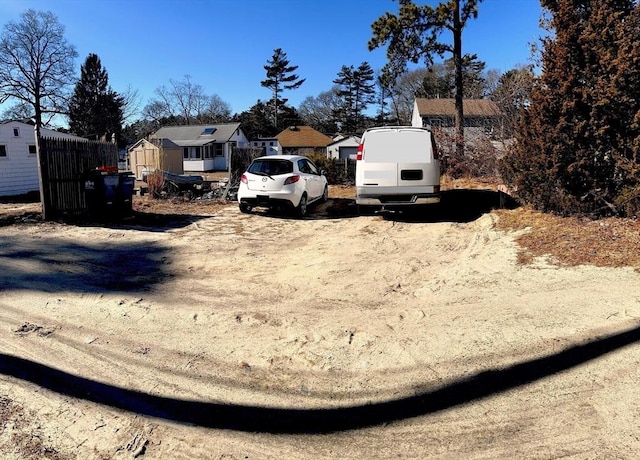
[
  {"x": 243, "y": 178},
  {"x": 360, "y": 152},
  {"x": 291, "y": 179}
]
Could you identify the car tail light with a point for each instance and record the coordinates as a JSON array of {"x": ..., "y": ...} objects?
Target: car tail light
[
  {"x": 291, "y": 179},
  {"x": 360, "y": 152},
  {"x": 243, "y": 178}
]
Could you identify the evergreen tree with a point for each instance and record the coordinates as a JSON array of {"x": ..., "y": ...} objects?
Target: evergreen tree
[
  {"x": 415, "y": 35},
  {"x": 256, "y": 121},
  {"x": 440, "y": 79},
  {"x": 280, "y": 77},
  {"x": 578, "y": 141},
  {"x": 95, "y": 110},
  {"x": 356, "y": 88}
]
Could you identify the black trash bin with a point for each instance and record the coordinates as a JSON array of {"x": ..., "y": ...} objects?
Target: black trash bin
[{"x": 102, "y": 192}]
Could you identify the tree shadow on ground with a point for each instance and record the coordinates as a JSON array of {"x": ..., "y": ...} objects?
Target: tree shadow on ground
[
  {"x": 315, "y": 421},
  {"x": 56, "y": 265}
]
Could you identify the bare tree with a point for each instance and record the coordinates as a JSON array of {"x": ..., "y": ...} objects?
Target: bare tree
[
  {"x": 184, "y": 100},
  {"x": 317, "y": 112},
  {"x": 404, "y": 90},
  {"x": 131, "y": 103},
  {"x": 37, "y": 65},
  {"x": 217, "y": 110},
  {"x": 512, "y": 93},
  {"x": 18, "y": 111}
]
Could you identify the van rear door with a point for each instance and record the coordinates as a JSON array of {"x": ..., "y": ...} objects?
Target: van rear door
[{"x": 398, "y": 157}]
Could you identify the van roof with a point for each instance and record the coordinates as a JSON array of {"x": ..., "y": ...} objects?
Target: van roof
[{"x": 379, "y": 128}]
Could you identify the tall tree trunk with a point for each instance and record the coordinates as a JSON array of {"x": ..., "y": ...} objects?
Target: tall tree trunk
[{"x": 457, "y": 60}]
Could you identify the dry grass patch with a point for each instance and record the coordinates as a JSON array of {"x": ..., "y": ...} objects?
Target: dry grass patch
[{"x": 574, "y": 241}]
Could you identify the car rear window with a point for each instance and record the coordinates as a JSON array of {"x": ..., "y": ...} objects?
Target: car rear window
[{"x": 271, "y": 167}]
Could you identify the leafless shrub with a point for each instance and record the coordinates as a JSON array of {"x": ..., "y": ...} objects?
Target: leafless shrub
[
  {"x": 480, "y": 158},
  {"x": 155, "y": 181}
]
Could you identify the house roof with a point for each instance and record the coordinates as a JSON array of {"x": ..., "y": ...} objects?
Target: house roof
[
  {"x": 446, "y": 107},
  {"x": 158, "y": 142},
  {"x": 195, "y": 135},
  {"x": 302, "y": 136},
  {"x": 352, "y": 140},
  {"x": 44, "y": 132}
]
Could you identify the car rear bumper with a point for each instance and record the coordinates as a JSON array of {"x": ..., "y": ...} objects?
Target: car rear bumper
[{"x": 272, "y": 200}]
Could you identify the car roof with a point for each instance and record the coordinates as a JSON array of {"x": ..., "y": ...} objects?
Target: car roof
[{"x": 280, "y": 157}]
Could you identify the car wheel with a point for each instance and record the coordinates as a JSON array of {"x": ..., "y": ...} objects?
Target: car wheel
[
  {"x": 325, "y": 194},
  {"x": 302, "y": 206},
  {"x": 245, "y": 208}
]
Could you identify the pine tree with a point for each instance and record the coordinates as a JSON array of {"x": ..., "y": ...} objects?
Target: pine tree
[
  {"x": 280, "y": 77},
  {"x": 95, "y": 110},
  {"x": 415, "y": 34},
  {"x": 578, "y": 142},
  {"x": 356, "y": 87}
]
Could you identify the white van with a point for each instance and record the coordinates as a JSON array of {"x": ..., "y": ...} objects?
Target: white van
[{"x": 397, "y": 167}]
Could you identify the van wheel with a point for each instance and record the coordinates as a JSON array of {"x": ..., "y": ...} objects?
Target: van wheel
[
  {"x": 245, "y": 208},
  {"x": 302, "y": 206}
]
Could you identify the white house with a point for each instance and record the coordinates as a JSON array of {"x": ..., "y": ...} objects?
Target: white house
[
  {"x": 18, "y": 162},
  {"x": 269, "y": 145},
  {"x": 343, "y": 147}
]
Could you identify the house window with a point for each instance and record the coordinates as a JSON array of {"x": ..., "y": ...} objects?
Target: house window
[
  {"x": 197, "y": 154},
  {"x": 270, "y": 144},
  {"x": 219, "y": 150},
  {"x": 3, "y": 150},
  {"x": 185, "y": 153},
  {"x": 16, "y": 132},
  {"x": 32, "y": 149}
]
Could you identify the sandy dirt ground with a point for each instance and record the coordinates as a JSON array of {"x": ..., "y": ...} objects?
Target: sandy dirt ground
[{"x": 220, "y": 335}]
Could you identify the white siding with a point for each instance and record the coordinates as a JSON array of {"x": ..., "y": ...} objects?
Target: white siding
[
  {"x": 19, "y": 169},
  {"x": 416, "y": 119}
]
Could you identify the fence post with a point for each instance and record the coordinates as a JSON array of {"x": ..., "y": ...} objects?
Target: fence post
[{"x": 43, "y": 201}]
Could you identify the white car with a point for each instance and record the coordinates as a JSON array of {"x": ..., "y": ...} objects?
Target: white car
[{"x": 282, "y": 182}]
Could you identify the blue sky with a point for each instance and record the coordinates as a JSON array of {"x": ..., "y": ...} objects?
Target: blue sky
[{"x": 224, "y": 44}]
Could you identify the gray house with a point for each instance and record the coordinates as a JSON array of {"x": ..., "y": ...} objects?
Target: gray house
[
  {"x": 480, "y": 115},
  {"x": 201, "y": 147}
]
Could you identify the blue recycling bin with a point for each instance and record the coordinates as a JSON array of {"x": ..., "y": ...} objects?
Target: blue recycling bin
[{"x": 127, "y": 182}]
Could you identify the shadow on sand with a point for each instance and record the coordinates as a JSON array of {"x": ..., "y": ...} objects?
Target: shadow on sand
[
  {"x": 459, "y": 205},
  {"x": 314, "y": 421}
]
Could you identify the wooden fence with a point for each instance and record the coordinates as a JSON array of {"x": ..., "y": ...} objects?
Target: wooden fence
[{"x": 64, "y": 167}]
